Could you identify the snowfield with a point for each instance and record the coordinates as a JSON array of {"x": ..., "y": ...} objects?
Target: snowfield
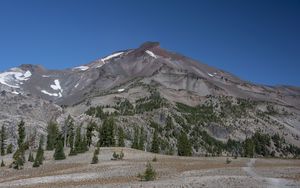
[{"x": 151, "y": 54}]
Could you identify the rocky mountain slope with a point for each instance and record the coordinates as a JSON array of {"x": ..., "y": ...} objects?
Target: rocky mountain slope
[{"x": 152, "y": 88}]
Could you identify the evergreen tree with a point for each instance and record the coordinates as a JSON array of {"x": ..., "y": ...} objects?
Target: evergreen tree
[
  {"x": 248, "y": 147},
  {"x": 3, "y": 138},
  {"x": 19, "y": 155},
  {"x": 135, "y": 143},
  {"x": 53, "y": 132},
  {"x": 84, "y": 146},
  {"x": 30, "y": 157},
  {"x": 78, "y": 141},
  {"x": 107, "y": 134},
  {"x": 40, "y": 154},
  {"x": 141, "y": 140},
  {"x": 183, "y": 145},
  {"x": 121, "y": 142},
  {"x": 89, "y": 132},
  {"x": 2, "y": 163},
  {"x": 95, "y": 157},
  {"x": 59, "y": 150},
  {"x": 9, "y": 149},
  {"x": 71, "y": 142},
  {"x": 67, "y": 128},
  {"x": 155, "y": 143}
]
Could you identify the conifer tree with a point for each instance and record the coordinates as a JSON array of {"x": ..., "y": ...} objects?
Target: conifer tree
[
  {"x": 78, "y": 140},
  {"x": 155, "y": 143},
  {"x": 40, "y": 154},
  {"x": 2, "y": 163},
  {"x": 95, "y": 157},
  {"x": 89, "y": 132},
  {"x": 30, "y": 157},
  {"x": 19, "y": 155},
  {"x": 183, "y": 145},
  {"x": 135, "y": 143},
  {"x": 59, "y": 150},
  {"x": 84, "y": 146},
  {"x": 121, "y": 142},
  {"x": 71, "y": 142},
  {"x": 107, "y": 134},
  {"x": 3, "y": 138},
  {"x": 53, "y": 132},
  {"x": 141, "y": 140}
]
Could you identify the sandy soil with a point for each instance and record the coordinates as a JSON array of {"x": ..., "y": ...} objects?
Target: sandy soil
[{"x": 173, "y": 171}]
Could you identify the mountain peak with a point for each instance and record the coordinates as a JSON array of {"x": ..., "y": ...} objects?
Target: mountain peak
[{"x": 149, "y": 45}]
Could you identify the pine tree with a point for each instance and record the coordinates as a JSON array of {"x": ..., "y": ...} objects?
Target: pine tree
[
  {"x": 2, "y": 163},
  {"x": 155, "y": 143},
  {"x": 78, "y": 140},
  {"x": 68, "y": 125},
  {"x": 107, "y": 134},
  {"x": 95, "y": 157},
  {"x": 89, "y": 132},
  {"x": 53, "y": 132},
  {"x": 40, "y": 154},
  {"x": 84, "y": 146},
  {"x": 19, "y": 155},
  {"x": 59, "y": 150},
  {"x": 3, "y": 138},
  {"x": 141, "y": 140},
  {"x": 30, "y": 157},
  {"x": 135, "y": 143},
  {"x": 9, "y": 149},
  {"x": 183, "y": 145},
  {"x": 121, "y": 142},
  {"x": 71, "y": 142}
]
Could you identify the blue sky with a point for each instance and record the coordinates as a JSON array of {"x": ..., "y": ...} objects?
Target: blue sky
[{"x": 258, "y": 41}]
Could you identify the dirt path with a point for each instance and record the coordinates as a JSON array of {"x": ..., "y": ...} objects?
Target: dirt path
[{"x": 271, "y": 182}]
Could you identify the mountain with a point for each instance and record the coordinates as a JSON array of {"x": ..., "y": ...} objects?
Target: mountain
[{"x": 151, "y": 87}]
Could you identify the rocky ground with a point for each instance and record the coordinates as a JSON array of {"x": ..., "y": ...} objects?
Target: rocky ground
[{"x": 173, "y": 171}]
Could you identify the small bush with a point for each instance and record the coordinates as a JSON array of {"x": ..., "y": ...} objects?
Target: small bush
[
  {"x": 118, "y": 156},
  {"x": 154, "y": 159}
]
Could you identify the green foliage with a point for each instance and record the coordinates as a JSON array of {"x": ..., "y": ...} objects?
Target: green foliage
[
  {"x": 40, "y": 154},
  {"x": 95, "y": 156},
  {"x": 200, "y": 138},
  {"x": 96, "y": 112},
  {"x": 118, "y": 156},
  {"x": 141, "y": 141},
  {"x": 135, "y": 143},
  {"x": 52, "y": 134},
  {"x": 149, "y": 174},
  {"x": 2, "y": 163},
  {"x": 121, "y": 136},
  {"x": 125, "y": 108},
  {"x": 19, "y": 155},
  {"x": 154, "y": 101},
  {"x": 184, "y": 145},
  {"x": 2, "y": 141},
  {"x": 248, "y": 147},
  {"x": 198, "y": 114},
  {"x": 155, "y": 143},
  {"x": 71, "y": 141},
  {"x": 9, "y": 149},
  {"x": 89, "y": 132},
  {"x": 30, "y": 157},
  {"x": 80, "y": 143},
  {"x": 59, "y": 150},
  {"x": 107, "y": 134},
  {"x": 154, "y": 159}
]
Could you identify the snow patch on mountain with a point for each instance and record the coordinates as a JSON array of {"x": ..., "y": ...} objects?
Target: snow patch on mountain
[
  {"x": 50, "y": 94},
  {"x": 83, "y": 68},
  {"x": 112, "y": 56},
  {"x": 14, "y": 79},
  {"x": 56, "y": 85},
  {"x": 151, "y": 54},
  {"x": 210, "y": 75},
  {"x": 121, "y": 90}
]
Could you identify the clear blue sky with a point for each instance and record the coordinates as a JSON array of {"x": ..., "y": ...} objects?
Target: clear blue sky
[{"x": 258, "y": 40}]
